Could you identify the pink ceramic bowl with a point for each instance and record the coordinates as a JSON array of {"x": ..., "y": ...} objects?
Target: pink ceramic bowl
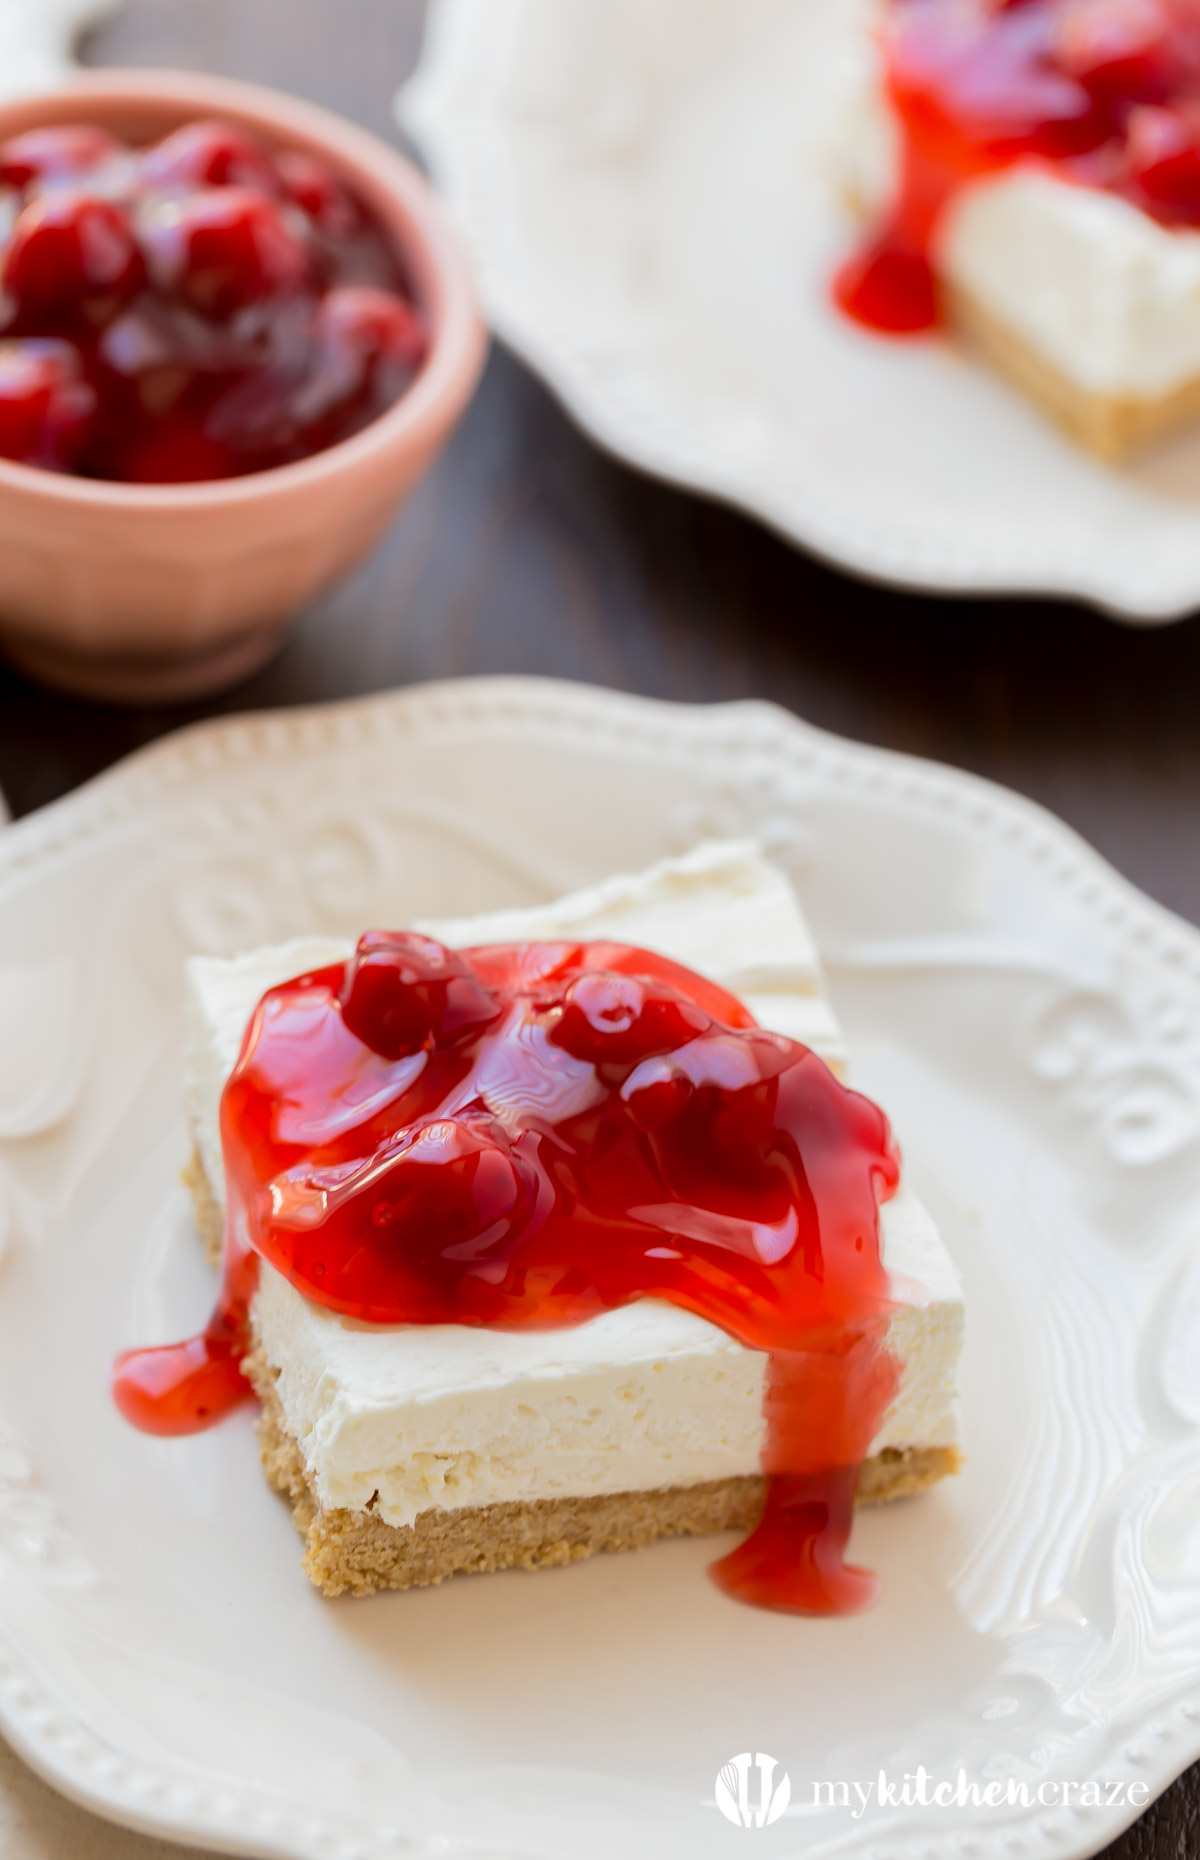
[{"x": 148, "y": 593}]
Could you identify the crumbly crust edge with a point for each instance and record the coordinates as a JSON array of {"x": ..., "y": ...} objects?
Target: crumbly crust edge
[
  {"x": 210, "y": 1216},
  {"x": 1110, "y": 426}
]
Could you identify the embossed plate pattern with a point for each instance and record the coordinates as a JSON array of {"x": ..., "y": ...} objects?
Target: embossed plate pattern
[
  {"x": 1033, "y": 1025},
  {"x": 648, "y": 190}
]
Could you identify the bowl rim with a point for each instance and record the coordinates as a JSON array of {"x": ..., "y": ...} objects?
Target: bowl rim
[{"x": 429, "y": 245}]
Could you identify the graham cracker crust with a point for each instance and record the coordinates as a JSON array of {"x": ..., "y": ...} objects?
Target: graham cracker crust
[
  {"x": 356, "y": 1552},
  {"x": 210, "y": 1216},
  {"x": 1110, "y": 426}
]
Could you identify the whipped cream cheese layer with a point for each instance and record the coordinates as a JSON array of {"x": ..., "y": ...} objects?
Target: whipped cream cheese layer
[
  {"x": 640, "y": 1398},
  {"x": 1106, "y": 295}
]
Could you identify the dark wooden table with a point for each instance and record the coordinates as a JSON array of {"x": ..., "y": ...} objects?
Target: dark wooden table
[{"x": 529, "y": 551}]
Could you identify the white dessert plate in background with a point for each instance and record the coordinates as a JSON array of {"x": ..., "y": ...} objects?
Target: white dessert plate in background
[
  {"x": 1031, "y": 1023},
  {"x": 648, "y": 192},
  {"x": 37, "y": 38}
]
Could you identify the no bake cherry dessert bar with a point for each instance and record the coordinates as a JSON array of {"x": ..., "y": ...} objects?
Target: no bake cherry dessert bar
[
  {"x": 1103, "y": 93},
  {"x": 197, "y": 309}
]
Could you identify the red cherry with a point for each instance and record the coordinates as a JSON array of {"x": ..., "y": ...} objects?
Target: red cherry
[
  {"x": 376, "y": 329},
  {"x": 448, "y": 1182},
  {"x": 1116, "y": 48},
  {"x": 56, "y": 154},
  {"x": 368, "y": 345},
  {"x": 313, "y": 186},
  {"x": 175, "y": 451},
  {"x": 713, "y": 1111},
  {"x": 222, "y": 249},
  {"x": 400, "y": 989},
  {"x": 45, "y": 404},
  {"x": 610, "y": 1019},
  {"x": 447, "y": 1195},
  {"x": 66, "y": 246},
  {"x": 209, "y": 153},
  {"x": 657, "y": 1097},
  {"x": 1163, "y": 161}
]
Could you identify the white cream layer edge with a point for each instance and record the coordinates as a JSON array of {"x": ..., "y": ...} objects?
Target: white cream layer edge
[
  {"x": 1102, "y": 292},
  {"x": 640, "y": 1398}
]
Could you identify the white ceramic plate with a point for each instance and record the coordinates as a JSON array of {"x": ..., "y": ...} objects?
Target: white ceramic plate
[
  {"x": 1033, "y": 1026},
  {"x": 647, "y": 190},
  {"x": 36, "y": 40}
]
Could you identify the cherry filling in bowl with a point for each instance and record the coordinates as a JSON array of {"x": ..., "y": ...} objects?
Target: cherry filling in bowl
[{"x": 197, "y": 309}]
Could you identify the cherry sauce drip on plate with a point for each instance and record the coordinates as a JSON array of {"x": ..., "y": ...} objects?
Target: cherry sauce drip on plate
[
  {"x": 528, "y": 1135},
  {"x": 1106, "y": 93}
]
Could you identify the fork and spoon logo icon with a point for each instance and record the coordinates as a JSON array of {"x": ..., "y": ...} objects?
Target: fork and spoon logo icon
[{"x": 733, "y": 1791}]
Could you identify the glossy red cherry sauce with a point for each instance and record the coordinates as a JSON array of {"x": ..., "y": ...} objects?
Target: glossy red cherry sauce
[
  {"x": 198, "y": 309},
  {"x": 1104, "y": 92},
  {"x": 527, "y": 1135}
]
